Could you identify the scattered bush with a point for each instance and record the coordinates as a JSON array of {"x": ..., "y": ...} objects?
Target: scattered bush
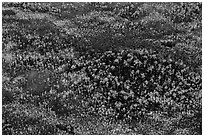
[{"x": 27, "y": 120}]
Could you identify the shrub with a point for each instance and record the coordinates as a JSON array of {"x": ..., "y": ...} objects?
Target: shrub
[{"x": 27, "y": 120}]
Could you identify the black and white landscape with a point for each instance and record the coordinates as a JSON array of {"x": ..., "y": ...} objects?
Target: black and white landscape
[{"x": 101, "y": 68}]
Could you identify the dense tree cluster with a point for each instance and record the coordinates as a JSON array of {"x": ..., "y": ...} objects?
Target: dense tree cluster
[{"x": 142, "y": 82}]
